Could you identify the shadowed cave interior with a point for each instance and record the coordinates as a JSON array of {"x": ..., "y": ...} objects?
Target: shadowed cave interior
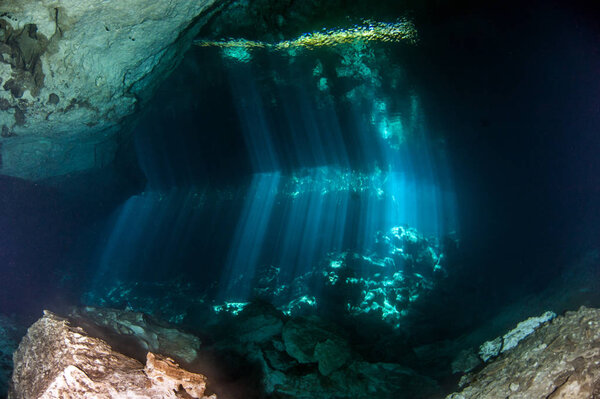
[{"x": 415, "y": 198}]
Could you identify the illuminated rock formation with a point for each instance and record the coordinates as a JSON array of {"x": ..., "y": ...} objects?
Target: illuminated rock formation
[{"x": 58, "y": 360}]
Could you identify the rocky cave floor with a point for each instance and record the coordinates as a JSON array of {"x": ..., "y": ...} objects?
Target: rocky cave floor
[
  {"x": 98, "y": 352},
  {"x": 353, "y": 327}
]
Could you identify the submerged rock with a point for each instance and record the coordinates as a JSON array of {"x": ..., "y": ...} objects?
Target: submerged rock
[
  {"x": 58, "y": 360},
  {"x": 524, "y": 329},
  {"x": 149, "y": 334},
  {"x": 260, "y": 322},
  {"x": 172, "y": 303},
  {"x": 309, "y": 341},
  {"x": 70, "y": 72},
  {"x": 491, "y": 349},
  {"x": 358, "y": 380},
  {"x": 163, "y": 370},
  {"x": 331, "y": 355},
  {"x": 559, "y": 360},
  {"x": 466, "y": 361},
  {"x": 309, "y": 358},
  {"x": 301, "y": 336}
]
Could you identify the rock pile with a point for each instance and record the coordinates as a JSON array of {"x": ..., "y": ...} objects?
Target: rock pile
[
  {"x": 300, "y": 357},
  {"x": 306, "y": 357}
]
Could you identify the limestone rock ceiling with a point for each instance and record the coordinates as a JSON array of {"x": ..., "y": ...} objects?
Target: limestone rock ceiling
[{"x": 71, "y": 71}]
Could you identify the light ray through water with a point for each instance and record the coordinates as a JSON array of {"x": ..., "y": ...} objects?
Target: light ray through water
[
  {"x": 329, "y": 200},
  {"x": 249, "y": 238},
  {"x": 326, "y": 177}
]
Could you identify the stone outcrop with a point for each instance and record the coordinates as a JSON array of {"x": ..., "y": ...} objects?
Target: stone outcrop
[
  {"x": 163, "y": 370},
  {"x": 58, "y": 360},
  {"x": 491, "y": 349},
  {"x": 559, "y": 360},
  {"x": 72, "y": 70},
  {"x": 147, "y": 333}
]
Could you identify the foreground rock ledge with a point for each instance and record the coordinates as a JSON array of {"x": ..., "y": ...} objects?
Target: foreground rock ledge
[
  {"x": 58, "y": 360},
  {"x": 72, "y": 70},
  {"x": 559, "y": 360}
]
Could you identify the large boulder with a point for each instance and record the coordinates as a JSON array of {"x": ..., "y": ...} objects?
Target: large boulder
[
  {"x": 144, "y": 332},
  {"x": 301, "y": 337},
  {"x": 559, "y": 360},
  {"x": 72, "y": 70},
  {"x": 258, "y": 323},
  {"x": 58, "y": 360}
]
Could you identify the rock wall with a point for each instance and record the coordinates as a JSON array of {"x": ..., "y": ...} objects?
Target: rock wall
[
  {"x": 72, "y": 70},
  {"x": 58, "y": 360},
  {"x": 558, "y": 360}
]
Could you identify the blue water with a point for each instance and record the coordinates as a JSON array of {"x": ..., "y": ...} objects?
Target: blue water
[{"x": 482, "y": 139}]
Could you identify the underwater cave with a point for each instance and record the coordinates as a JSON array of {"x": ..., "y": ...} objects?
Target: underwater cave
[{"x": 299, "y": 199}]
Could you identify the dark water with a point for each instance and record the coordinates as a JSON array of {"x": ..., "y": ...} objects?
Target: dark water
[{"x": 486, "y": 131}]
